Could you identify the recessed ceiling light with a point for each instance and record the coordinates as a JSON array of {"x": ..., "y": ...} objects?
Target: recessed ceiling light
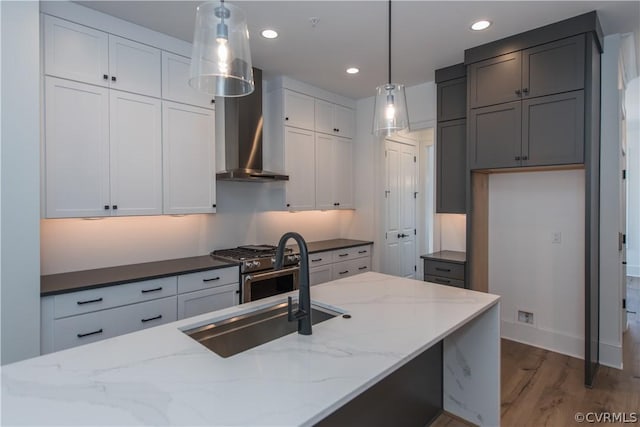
[
  {"x": 480, "y": 25},
  {"x": 353, "y": 70},
  {"x": 269, "y": 34}
]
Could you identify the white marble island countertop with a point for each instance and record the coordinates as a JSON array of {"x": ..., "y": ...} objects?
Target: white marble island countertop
[{"x": 160, "y": 376}]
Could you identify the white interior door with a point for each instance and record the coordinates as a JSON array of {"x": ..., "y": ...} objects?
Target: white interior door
[{"x": 400, "y": 209}]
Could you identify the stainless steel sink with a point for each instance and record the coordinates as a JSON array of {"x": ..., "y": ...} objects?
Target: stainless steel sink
[{"x": 237, "y": 334}]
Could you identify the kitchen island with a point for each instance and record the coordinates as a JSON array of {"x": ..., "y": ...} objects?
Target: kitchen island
[{"x": 160, "y": 376}]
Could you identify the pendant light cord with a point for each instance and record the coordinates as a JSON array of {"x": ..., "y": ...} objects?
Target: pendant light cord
[{"x": 389, "y": 41}]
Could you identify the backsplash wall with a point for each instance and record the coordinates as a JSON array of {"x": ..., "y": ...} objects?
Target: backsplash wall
[{"x": 81, "y": 244}]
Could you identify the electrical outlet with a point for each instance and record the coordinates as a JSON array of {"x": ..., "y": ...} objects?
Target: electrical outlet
[
  {"x": 556, "y": 237},
  {"x": 525, "y": 317}
]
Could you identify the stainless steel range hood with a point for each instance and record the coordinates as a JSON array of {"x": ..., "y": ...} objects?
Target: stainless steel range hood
[{"x": 243, "y": 123}]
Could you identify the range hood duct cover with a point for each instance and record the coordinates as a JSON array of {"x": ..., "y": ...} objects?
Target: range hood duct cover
[{"x": 243, "y": 123}]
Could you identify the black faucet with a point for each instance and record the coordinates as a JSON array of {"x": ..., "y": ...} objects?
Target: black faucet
[{"x": 303, "y": 314}]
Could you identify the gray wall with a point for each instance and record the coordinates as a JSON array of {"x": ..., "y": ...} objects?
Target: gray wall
[{"x": 20, "y": 180}]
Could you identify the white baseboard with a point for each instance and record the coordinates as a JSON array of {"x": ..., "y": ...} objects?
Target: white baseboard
[
  {"x": 549, "y": 340},
  {"x": 611, "y": 355},
  {"x": 633, "y": 270}
]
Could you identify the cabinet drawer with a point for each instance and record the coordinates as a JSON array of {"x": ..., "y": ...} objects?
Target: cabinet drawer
[
  {"x": 320, "y": 274},
  {"x": 321, "y": 258},
  {"x": 207, "y": 279},
  {"x": 444, "y": 269},
  {"x": 444, "y": 281},
  {"x": 340, "y": 255},
  {"x": 112, "y": 296},
  {"x": 351, "y": 267},
  {"x": 91, "y": 327},
  {"x": 206, "y": 300}
]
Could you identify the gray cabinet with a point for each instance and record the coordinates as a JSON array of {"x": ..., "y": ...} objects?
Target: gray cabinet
[
  {"x": 451, "y": 166},
  {"x": 494, "y": 136},
  {"x": 542, "y": 70},
  {"x": 445, "y": 268},
  {"x": 451, "y": 143}
]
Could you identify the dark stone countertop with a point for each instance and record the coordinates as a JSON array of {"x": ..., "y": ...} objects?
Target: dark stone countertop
[
  {"x": 61, "y": 283},
  {"x": 332, "y": 244},
  {"x": 448, "y": 256}
]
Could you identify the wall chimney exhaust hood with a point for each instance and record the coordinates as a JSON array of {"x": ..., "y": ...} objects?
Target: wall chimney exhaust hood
[{"x": 243, "y": 124}]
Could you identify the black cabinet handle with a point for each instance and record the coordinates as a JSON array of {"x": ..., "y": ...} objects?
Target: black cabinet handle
[
  {"x": 159, "y": 316},
  {"x": 286, "y": 118},
  {"x": 343, "y": 255},
  {"x": 338, "y": 130},
  {"x": 104, "y": 76},
  {"x": 344, "y": 272},
  {"x": 89, "y": 301},
  {"x": 99, "y": 331},
  {"x": 213, "y": 206},
  {"x": 213, "y": 101},
  {"x": 525, "y": 157},
  {"x": 446, "y": 270},
  {"x": 146, "y": 291},
  {"x": 445, "y": 281},
  {"x": 518, "y": 92},
  {"x": 338, "y": 204},
  {"x": 316, "y": 260},
  {"x": 106, "y": 207},
  {"x": 362, "y": 252},
  {"x": 517, "y": 157},
  {"x": 113, "y": 78},
  {"x": 362, "y": 268},
  {"x": 115, "y": 207},
  {"x": 213, "y": 279},
  {"x": 238, "y": 292},
  {"x": 525, "y": 90},
  {"x": 400, "y": 236},
  {"x": 335, "y": 204},
  {"x": 288, "y": 204}
]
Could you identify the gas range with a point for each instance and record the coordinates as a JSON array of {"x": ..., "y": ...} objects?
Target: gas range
[{"x": 256, "y": 257}]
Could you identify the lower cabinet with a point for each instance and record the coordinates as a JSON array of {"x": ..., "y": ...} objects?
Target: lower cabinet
[
  {"x": 83, "y": 317},
  {"x": 339, "y": 263}
]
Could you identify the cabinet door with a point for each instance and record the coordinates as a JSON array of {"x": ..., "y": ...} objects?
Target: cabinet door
[
  {"x": 343, "y": 173},
  {"x": 136, "y": 154},
  {"x": 76, "y": 149},
  {"x": 495, "y": 135},
  {"x": 75, "y": 52},
  {"x": 553, "y": 67},
  {"x": 299, "y": 110},
  {"x": 175, "y": 82},
  {"x": 495, "y": 80},
  {"x": 199, "y": 302},
  {"x": 134, "y": 67},
  {"x": 320, "y": 274},
  {"x": 325, "y": 176},
  {"x": 553, "y": 129},
  {"x": 299, "y": 163},
  {"x": 452, "y": 99},
  {"x": 451, "y": 166},
  {"x": 344, "y": 121},
  {"x": 324, "y": 117},
  {"x": 188, "y": 153}
]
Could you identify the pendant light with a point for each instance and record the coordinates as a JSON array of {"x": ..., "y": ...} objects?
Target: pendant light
[
  {"x": 390, "y": 108},
  {"x": 221, "y": 58}
]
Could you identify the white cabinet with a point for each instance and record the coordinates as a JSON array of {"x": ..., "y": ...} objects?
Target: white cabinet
[
  {"x": 189, "y": 159},
  {"x": 299, "y": 161},
  {"x": 102, "y": 156},
  {"x": 175, "y": 82},
  {"x": 135, "y": 154},
  {"x": 334, "y": 119},
  {"x": 339, "y": 263},
  {"x": 199, "y": 302},
  {"x": 350, "y": 268},
  {"x": 76, "y": 149},
  {"x": 134, "y": 67},
  {"x": 320, "y": 274},
  {"x": 80, "y": 53},
  {"x": 298, "y": 110},
  {"x": 333, "y": 175}
]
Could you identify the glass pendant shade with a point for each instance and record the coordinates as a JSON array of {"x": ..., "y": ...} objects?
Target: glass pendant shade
[
  {"x": 390, "y": 110},
  {"x": 221, "y": 58}
]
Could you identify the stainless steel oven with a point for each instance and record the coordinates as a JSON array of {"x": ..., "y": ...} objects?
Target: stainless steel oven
[{"x": 267, "y": 283}]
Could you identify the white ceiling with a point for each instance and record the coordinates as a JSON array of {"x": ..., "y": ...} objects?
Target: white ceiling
[{"x": 427, "y": 35}]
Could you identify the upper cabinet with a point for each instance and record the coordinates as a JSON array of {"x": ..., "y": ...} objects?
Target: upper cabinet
[
  {"x": 527, "y": 107},
  {"x": 542, "y": 70},
  {"x": 298, "y": 110},
  {"x": 334, "y": 119},
  {"x": 76, "y": 52},
  {"x": 175, "y": 82}
]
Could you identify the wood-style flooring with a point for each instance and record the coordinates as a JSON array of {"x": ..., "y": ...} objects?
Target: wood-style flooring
[{"x": 543, "y": 388}]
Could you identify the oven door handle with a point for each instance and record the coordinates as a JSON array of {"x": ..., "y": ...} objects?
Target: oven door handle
[{"x": 270, "y": 274}]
